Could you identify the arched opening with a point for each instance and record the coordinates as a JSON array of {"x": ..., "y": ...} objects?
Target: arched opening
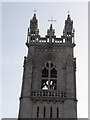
[
  {"x": 45, "y": 72},
  {"x": 49, "y": 76},
  {"x": 53, "y": 73}
]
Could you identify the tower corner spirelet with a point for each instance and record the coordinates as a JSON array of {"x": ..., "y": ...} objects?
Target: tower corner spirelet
[{"x": 69, "y": 31}]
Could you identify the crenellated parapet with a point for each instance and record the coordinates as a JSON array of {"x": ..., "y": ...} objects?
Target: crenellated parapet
[{"x": 33, "y": 36}]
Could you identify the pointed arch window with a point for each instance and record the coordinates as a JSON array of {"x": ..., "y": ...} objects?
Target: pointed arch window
[
  {"x": 45, "y": 72},
  {"x": 53, "y": 73},
  {"x": 49, "y": 76}
]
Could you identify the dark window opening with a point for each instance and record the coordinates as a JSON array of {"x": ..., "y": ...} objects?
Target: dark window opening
[
  {"x": 51, "y": 65},
  {"x": 31, "y": 38},
  {"x": 67, "y": 32},
  {"x": 53, "y": 73},
  {"x": 31, "y": 32},
  {"x": 67, "y": 39},
  {"x": 50, "y": 112},
  {"x": 44, "y": 84},
  {"x": 34, "y": 32},
  {"x": 49, "y": 77},
  {"x": 45, "y": 72},
  {"x": 70, "y": 39},
  {"x": 47, "y": 64},
  {"x": 44, "y": 110},
  {"x": 64, "y": 94},
  {"x": 53, "y": 84},
  {"x": 37, "y": 112},
  {"x": 57, "y": 112}
]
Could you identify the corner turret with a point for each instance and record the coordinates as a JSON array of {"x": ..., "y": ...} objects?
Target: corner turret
[
  {"x": 33, "y": 31},
  {"x": 68, "y": 31}
]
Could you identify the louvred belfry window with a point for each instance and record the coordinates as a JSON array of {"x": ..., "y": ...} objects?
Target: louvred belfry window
[{"x": 49, "y": 76}]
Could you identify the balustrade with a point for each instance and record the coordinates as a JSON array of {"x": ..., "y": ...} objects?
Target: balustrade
[{"x": 46, "y": 93}]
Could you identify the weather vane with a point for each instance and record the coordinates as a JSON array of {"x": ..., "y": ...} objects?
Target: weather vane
[
  {"x": 68, "y": 12},
  {"x": 52, "y": 20},
  {"x": 34, "y": 11}
]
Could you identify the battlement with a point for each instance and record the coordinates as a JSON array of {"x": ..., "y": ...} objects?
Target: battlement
[{"x": 46, "y": 40}]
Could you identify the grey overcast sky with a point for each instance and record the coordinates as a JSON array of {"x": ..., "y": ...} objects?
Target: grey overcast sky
[{"x": 15, "y": 21}]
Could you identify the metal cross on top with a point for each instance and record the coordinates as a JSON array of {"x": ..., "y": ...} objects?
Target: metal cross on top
[{"x": 52, "y": 20}]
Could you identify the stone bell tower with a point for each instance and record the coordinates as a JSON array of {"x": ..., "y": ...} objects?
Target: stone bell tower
[{"x": 49, "y": 76}]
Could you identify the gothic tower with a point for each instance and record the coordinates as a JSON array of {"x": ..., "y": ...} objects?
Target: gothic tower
[{"x": 49, "y": 76}]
